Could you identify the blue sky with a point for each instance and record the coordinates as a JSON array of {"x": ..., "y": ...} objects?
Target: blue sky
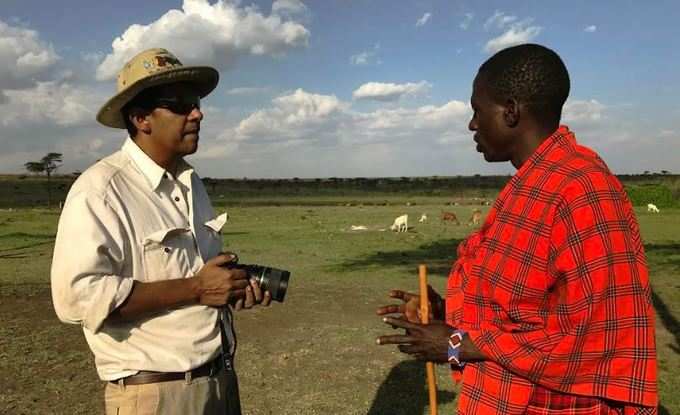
[{"x": 338, "y": 88}]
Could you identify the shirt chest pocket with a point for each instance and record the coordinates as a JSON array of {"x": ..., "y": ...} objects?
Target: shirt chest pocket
[
  {"x": 166, "y": 254},
  {"x": 211, "y": 243}
]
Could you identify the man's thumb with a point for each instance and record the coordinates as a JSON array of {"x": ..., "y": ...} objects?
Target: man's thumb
[{"x": 224, "y": 258}]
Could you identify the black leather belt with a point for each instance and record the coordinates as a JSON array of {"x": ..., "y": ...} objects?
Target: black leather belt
[{"x": 144, "y": 376}]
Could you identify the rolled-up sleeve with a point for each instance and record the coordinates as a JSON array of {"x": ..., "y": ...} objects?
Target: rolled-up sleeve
[{"x": 87, "y": 263}]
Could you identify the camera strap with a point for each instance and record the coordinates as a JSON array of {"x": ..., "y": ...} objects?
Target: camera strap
[{"x": 228, "y": 351}]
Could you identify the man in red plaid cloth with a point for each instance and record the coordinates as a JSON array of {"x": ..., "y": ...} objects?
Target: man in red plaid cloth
[{"x": 548, "y": 307}]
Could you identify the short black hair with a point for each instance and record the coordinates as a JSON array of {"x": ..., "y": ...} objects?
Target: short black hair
[
  {"x": 144, "y": 100},
  {"x": 533, "y": 75}
]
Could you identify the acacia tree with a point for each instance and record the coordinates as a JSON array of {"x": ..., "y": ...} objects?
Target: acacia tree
[{"x": 47, "y": 165}]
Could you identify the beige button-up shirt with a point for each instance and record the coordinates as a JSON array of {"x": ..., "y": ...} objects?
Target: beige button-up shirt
[{"x": 127, "y": 219}]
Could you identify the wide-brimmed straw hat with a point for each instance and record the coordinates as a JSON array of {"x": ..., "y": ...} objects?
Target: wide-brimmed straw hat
[{"x": 151, "y": 68}]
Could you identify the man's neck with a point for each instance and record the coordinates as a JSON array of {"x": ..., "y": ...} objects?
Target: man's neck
[
  {"x": 168, "y": 162},
  {"x": 529, "y": 141}
]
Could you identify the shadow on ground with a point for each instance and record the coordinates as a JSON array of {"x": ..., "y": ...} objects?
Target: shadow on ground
[
  {"x": 669, "y": 254},
  {"x": 439, "y": 256},
  {"x": 404, "y": 391},
  {"x": 22, "y": 251}
]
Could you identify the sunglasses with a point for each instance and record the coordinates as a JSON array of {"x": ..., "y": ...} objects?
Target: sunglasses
[{"x": 178, "y": 107}]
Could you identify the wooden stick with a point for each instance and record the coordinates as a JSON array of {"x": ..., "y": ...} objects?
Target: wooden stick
[{"x": 425, "y": 319}]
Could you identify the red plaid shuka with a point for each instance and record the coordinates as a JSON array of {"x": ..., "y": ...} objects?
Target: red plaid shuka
[{"x": 554, "y": 289}]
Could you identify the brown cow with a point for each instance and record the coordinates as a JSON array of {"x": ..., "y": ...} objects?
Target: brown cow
[
  {"x": 451, "y": 217},
  {"x": 476, "y": 217}
]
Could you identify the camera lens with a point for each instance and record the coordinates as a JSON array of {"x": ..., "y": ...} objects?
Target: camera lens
[{"x": 273, "y": 280}]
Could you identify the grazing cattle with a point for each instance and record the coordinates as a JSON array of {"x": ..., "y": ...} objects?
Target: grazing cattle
[
  {"x": 423, "y": 218},
  {"x": 476, "y": 217},
  {"x": 652, "y": 208},
  {"x": 450, "y": 217},
  {"x": 400, "y": 224}
]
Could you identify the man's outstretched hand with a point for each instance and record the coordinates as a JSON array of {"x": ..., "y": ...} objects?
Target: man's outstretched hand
[
  {"x": 428, "y": 342},
  {"x": 410, "y": 306}
]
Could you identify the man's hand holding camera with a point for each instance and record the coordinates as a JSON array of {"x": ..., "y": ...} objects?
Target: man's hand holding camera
[{"x": 217, "y": 285}]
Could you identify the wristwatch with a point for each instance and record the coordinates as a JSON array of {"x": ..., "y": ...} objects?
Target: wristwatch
[{"x": 455, "y": 344}]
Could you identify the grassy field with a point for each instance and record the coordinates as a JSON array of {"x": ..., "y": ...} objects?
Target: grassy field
[{"x": 315, "y": 353}]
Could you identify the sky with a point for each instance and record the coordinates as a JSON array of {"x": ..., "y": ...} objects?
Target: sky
[{"x": 338, "y": 88}]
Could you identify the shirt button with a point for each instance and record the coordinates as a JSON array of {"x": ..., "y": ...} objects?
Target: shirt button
[
  {"x": 176, "y": 199},
  {"x": 167, "y": 250}
]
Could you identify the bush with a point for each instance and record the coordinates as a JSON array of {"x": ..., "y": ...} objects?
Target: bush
[{"x": 659, "y": 194}]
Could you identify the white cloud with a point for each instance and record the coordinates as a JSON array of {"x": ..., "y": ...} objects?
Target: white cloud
[
  {"x": 518, "y": 33},
  {"x": 302, "y": 117},
  {"x": 423, "y": 19},
  {"x": 590, "y": 29},
  {"x": 389, "y": 91},
  {"x": 467, "y": 20},
  {"x": 246, "y": 90},
  {"x": 289, "y": 8},
  {"x": 24, "y": 56},
  {"x": 498, "y": 20},
  {"x": 368, "y": 57},
  {"x": 361, "y": 58},
  {"x": 292, "y": 116},
  {"x": 53, "y": 103},
  {"x": 441, "y": 123},
  {"x": 584, "y": 112},
  {"x": 210, "y": 34},
  {"x": 313, "y": 135},
  {"x": 94, "y": 58}
]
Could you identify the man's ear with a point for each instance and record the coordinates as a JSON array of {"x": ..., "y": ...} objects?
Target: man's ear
[
  {"x": 140, "y": 119},
  {"x": 511, "y": 113}
]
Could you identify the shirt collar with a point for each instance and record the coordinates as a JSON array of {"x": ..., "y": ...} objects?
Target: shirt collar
[
  {"x": 561, "y": 137},
  {"x": 152, "y": 171}
]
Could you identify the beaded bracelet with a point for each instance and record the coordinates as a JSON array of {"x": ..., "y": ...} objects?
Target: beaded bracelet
[{"x": 455, "y": 344}]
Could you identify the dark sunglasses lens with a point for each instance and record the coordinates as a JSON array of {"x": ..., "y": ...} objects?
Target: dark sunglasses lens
[{"x": 179, "y": 107}]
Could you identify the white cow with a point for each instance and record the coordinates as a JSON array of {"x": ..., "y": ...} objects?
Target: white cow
[
  {"x": 423, "y": 218},
  {"x": 652, "y": 208},
  {"x": 400, "y": 224}
]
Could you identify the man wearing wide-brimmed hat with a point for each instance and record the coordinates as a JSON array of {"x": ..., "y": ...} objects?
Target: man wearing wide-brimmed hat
[{"x": 137, "y": 259}]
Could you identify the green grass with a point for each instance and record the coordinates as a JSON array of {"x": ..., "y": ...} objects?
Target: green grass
[{"x": 315, "y": 353}]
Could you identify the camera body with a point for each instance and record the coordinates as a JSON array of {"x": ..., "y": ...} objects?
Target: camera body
[{"x": 269, "y": 279}]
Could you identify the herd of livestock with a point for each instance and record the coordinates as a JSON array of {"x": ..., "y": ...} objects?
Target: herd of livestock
[{"x": 400, "y": 224}]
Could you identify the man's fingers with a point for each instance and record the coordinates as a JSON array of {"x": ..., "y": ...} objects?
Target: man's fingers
[
  {"x": 408, "y": 348},
  {"x": 239, "y": 284},
  {"x": 232, "y": 256},
  {"x": 401, "y": 294},
  {"x": 257, "y": 291},
  {"x": 401, "y": 323},
  {"x": 394, "y": 339},
  {"x": 222, "y": 259},
  {"x": 238, "y": 293},
  {"x": 390, "y": 309},
  {"x": 267, "y": 299}
]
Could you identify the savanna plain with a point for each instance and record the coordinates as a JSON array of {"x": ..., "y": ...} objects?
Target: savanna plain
[{"x": 316, "y": 352}]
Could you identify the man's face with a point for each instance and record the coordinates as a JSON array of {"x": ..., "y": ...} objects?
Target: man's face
[
  {"x": 175, "y": 120},
  {"x": 492, "y": 135}
]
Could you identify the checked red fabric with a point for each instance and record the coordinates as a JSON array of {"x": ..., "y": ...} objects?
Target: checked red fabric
[{"x": 554, "y": 289}]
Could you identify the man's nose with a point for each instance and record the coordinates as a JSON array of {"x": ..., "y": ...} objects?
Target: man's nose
[
  {"x": 196, "y": 114},
  {"x": 472, "y": 125}
]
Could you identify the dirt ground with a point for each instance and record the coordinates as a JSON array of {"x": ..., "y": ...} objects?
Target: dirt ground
[{"x": 306, "y": 356}]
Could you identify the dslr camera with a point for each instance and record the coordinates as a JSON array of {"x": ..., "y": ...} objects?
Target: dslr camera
[{"x": 269, "y": 279}]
